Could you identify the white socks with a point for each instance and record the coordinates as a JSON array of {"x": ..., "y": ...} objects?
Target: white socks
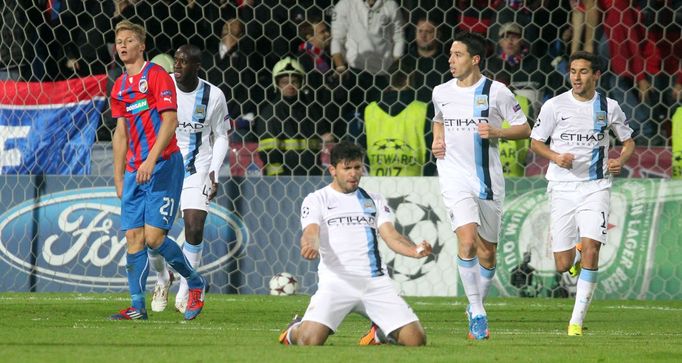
[
  {"x": 587, "y": 283},
  {"x": 471, "y": 281},
  {"x": 487, "y": 276},
  {"x": 159, "y": 265},
  {"x": 193, "y": 256}
]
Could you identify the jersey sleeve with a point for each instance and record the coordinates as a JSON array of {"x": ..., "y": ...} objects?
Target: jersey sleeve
[
  {"x": 544, "y": 125},
  {"x": 164, "y": 92},
  {"x": 619, "y": 124},
  {"x": 118, "y": 108},
  {"x": 221, "y": 117},
  {"x": 220, "y": 125},
  {"x": 311, "y": 211},
  {"x": 437, "y": 113},
  {"x": 509, "y": 107},
  {"x": 384, "y": 212}
]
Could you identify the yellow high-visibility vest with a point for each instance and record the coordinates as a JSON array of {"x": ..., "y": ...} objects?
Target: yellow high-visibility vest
[
  {"x": 513, "y": 152},
  {"x": 677, "y": 144},
  {"x": 396, "y": 145}
]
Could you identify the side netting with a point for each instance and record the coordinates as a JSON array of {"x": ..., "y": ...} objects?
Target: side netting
[{"x": 61, "y": 233}]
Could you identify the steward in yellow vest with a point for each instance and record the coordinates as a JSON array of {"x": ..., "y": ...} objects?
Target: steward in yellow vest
[{"x": 395, "y": 131}]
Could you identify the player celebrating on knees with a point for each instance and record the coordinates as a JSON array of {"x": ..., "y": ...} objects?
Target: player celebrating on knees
[
  {"x": 469, "y": 111},
  {"x": 579, "y": 174},
  {"x": 202, "y": 139},
  {"x": 340, "y": 225},
  {"x": 147, "y": 169}
]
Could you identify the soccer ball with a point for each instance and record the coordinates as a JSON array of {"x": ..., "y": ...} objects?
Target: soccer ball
[{"x": 283, "y": 283}]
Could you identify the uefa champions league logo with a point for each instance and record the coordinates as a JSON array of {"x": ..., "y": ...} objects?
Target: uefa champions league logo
[{"x": 416, "y": 220}]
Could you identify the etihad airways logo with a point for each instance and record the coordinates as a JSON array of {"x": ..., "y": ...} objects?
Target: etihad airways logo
[
  {"x": 190, "y": 127},
  {"x": 464, "y": 122},
  {"x": 356, "y": 220},
  {"x": 582, "y": 138}
]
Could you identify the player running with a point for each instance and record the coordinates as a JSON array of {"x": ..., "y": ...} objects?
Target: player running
[
  {"x": 579, "y": 173},
  {"x": 469, "y": 111}
]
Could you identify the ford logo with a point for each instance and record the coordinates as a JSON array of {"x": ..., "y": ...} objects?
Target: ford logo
[{"x": 79, "y": 242}]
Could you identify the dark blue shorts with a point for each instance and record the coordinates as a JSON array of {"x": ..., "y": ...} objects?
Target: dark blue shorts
[{"x": 156, "y": 202}]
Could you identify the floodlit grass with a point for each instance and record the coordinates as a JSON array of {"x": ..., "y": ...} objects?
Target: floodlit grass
[{"x": 51, "y": 327}]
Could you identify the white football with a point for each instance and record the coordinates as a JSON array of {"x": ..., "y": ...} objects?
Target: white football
[{"x": 283, "y": 283}]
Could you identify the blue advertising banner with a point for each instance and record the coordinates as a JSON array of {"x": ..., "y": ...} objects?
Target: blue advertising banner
[{"x": 65, "y": 236}]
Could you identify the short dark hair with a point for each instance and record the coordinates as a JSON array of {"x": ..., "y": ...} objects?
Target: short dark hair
[
  {"x": 595, "y": 63},
  {"x": 476, "y": 44},
  {"x": 347, "y": 151},
  {"x": 193, "y": 52},
  {"x": 307, "y": 27}
]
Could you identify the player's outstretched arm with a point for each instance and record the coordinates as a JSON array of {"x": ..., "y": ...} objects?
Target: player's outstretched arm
[
  {"x": 401, "y": 244},
  {"x": 120, "y": 145},
  {"x": 310, "y": 242}
]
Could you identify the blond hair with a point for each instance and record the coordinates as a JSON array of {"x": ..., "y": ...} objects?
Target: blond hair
[{"x": 137, "y": 29}]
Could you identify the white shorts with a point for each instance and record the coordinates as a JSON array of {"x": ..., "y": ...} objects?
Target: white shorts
[
  {"x": 576, "y": 214},
  {"x": 375, "y": 298},
  {"x": 195, "y": 191},
  {"x": 463, "y": 208}
]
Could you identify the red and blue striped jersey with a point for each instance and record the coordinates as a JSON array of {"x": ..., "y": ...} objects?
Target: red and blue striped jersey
[{"x": 141, "y": 99}]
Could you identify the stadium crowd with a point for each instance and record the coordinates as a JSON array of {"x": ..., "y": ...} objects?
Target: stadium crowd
[{"x": 356, "y": 65}]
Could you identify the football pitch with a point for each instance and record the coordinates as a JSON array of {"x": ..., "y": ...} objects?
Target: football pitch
[{"x": 59, "y": 327}]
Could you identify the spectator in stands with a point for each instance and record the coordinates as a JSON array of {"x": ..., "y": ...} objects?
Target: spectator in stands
[
  {"x": 662, "y": 19},
  {"x": 559, "y": 51},
  {"x": 313, "y": 52},
  {"x": 367, "y": 37},
  {"x": 16, "y": 52},
  {"x": 531, "y": 15},
  {"x": 676, "y": 92},
  {"x": 514, "y": 66},
  {"x": 82, "y": 29},
  {"x": 426, "y": 58},
  {"x": 288, "y": 127},
  {"x": 395, "y": 131},
  {"x": 635, "y": 62},
  {"x": 584, "y": 20},
  {"x": 233, "y": 69}
]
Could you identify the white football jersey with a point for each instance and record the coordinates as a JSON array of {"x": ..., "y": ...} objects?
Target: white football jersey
[
  {"x": 471, "y": 161},
  {"x": 582, "y": 129},
  {"x": 201, "y": 113},
  {"x": 349, "y": 223}
]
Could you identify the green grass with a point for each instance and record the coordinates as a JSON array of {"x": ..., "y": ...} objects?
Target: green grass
[{"x": 48, "y": 327}]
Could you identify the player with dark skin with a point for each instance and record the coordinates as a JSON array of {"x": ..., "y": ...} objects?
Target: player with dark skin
[{"x": 186, "y": 71}]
